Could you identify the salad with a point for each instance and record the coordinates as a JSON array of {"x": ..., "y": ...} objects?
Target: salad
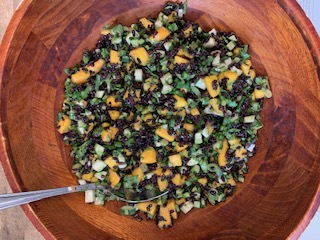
[{"x": 163, "y": 105}]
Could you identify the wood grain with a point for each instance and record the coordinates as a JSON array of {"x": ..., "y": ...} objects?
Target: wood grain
[
  {"x": 281, "y": 192},
  {"x": 14, "y": 224}
]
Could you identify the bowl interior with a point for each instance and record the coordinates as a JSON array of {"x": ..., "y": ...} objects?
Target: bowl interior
[{"x": 283, "y": 178}]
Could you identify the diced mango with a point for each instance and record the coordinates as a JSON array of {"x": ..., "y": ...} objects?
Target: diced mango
[
  {"x": 180, "y": 102},
  {"x": 80, "y": 77},
  {"x": 176, "y": 180},
  {"x": 231, "y": 181},
  {"x": 147, "y": 207},
  {"x": 87, "y": 176},
  {"x": 172, "y": 208},
  {"x": 96, "y": 66},
  {"x": 184, "y": 53},
  {"x": 210, "y": 128},
  {"x": 165, "y": 218},
  {"x": 231, "y": 76},
  {"x": 90, "y": 127},
  {"x": 236, "y": 51},
  {"x": 180, "y": 60},
  {"x": 94, "y": 180},
  {"x": 203, "y": 181},
  {"x": 114, "y": 131},
  {"x": 105, "y": 124},
  {"x": 64, "y": 124},
  {"x": 114, "y": 57},
  {"x": 161, "y": 34},
  {"x": 252, "y": 73},
  {"x": 138, "y": 172},
  {"x": 137, "y": 125},
  {"x": 127, "y": 152},
  {"x": 162, "y": 184},
  {"x": 248, "y": 62},
  {"x": 245, "y": 69},
  {"x": 180, "y": 201},
  {"x": 109, "y": 134},
  {"x": 164, "y": 112},
  {"x": 167, "y": 173},
  {"x": 146, "y": 23},
  {"x": 240, "y": 153},
  {"x": 105, "y": 31},
  {"x": 111, "y": 162},
  {"x": 126, "y": 94},
  {"x": 114, "y": 178},
  {"x": 148, "y": 118},
  {"x": 114, "y": 115},
  {"x": 258, "y": 93},
  {"x": 131, "y": 115},
  {"x": 148, "y": 156},
  {"x": 171, "y": 16},
  {"x": 235, "y": 142},
  {"x": 182, "y": 113},
  {"x": 194, "y": 112},
  {"x": 184, "y": 153},
  {"x": 214, "y": 103},
  {"x": 158, "y": 171},
  {"x": 111, "y": 102},
  {"x": 189, "y": 127},
  {"x": 222, "y": 160},
  {"x": 128, "y": 66},
  {"x": 138, "y": 93},
  {"x": 188, "y": 31},
  {"x": 179, "y": 149},
  {"x": 150, "y": 84},
  {"x": 175, "y": 160},
  {"x": 208, "y": 80},
  {"x": 140, "y": 56},
  {"x": 163, "y": 133}
]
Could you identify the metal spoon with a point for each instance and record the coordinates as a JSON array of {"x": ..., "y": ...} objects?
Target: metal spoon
[{"x": 16, "y": 199}]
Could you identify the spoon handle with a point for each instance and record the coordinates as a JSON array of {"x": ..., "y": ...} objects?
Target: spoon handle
[{"x": 16, "y": 199}]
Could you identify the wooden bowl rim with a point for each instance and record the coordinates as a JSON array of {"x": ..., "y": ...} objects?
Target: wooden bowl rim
[{"x": 293, "y": 10}]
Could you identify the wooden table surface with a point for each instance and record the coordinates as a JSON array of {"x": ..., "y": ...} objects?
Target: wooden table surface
[{"x": 14, "y": 224}]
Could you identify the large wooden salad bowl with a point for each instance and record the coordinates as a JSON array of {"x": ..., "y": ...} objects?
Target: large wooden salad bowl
[{"x": 281, "y": 191}]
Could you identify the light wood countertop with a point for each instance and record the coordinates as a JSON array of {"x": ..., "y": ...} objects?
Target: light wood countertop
[{"x": 14, "y": 224}]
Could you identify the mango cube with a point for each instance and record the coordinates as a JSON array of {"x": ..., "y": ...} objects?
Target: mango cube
[
  {"x": 222, "y": 160},
  {"x": 111, "y": 102},
  {"x": 140, "y": 56},
  {"x": 148, "y": 156},
  {"x": 114, "y": 178},
  {"x": 180, "y": 102},
  {"x": 146, "y": 23},
  {"x": 175, "y": 160},
  {"x": 64, "y": 124},
  {"x": 163, "y": 133},
  {"x": 114, "y": 115},
  {"x": 114, "y": 57},
  {"x": 147, "y": 207},
  {"x": 161, "y": 34},
  {"x": 209, "y": 80}
]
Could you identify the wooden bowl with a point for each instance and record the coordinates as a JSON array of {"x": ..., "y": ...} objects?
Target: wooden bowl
[{"x": 281, "y": 191}]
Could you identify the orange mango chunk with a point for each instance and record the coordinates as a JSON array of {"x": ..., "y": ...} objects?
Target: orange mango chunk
[
  {"x": 148, "y": 156},
  {"x": 163, "y": 133},
  {"x": 161, "y": 34},
  {"x": 64, "y": 124}
]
